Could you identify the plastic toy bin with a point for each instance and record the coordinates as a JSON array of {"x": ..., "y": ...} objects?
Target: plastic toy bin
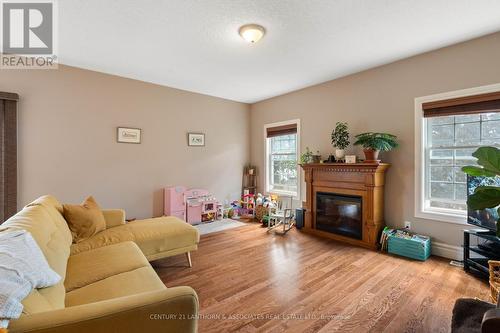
[{"x": 419, "y": 249}]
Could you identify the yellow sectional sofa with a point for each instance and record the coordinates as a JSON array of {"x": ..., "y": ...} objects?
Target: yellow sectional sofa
[{"x": 107, "y": 282}]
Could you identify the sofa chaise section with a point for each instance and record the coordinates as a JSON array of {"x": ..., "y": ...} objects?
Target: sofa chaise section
[{"x": 158, "y": 237}]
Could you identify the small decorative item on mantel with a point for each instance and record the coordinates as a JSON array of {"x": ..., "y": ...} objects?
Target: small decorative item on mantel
[
  {"x": 350, "y": 159},
  {"x": 330, "y": 159},
  {"x": 373, "y": 143},
  {"x": 340, "y": 140},
  {"x": 306, "y": 157},
  {"x": 316, "y": 158}
]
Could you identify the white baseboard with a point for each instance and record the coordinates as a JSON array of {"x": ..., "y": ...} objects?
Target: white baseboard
[{"x": 447, "y": 251}]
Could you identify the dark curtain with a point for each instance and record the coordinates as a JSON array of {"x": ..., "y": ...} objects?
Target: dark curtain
[{"x": 8, "y": 155}]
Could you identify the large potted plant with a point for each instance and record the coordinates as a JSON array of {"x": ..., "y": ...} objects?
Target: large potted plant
[
  {"x": 340, "y": 140},
  {"x": 488, "y": 159},
  {"x": 373, "y": 143}
]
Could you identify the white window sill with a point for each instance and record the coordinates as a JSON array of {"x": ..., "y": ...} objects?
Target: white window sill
[
  {"x": 284, "y": 193},
  {"x": 443, "y": 216}
]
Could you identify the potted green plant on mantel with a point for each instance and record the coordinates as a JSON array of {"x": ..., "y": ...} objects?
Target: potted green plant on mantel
[
  {"x": 306, "y": 157},
  {"x": 309, "y": 157},
  {"x": 340, "y": 140},
  {"x": 373, "y": 143},
  {"x": 488, "y": 159}
]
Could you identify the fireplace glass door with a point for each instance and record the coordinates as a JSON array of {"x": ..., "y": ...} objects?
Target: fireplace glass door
[{"x": 339, "y": 214}]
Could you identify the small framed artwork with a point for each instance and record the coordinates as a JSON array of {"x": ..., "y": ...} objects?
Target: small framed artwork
[
  {"x": 351, "y": 159},
  {"x": 128, "y": 135},
  {"x": 196, "y": 139}
]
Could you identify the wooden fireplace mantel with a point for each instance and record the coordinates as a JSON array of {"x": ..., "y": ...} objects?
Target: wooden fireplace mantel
[{"x": 365, "y": 180}]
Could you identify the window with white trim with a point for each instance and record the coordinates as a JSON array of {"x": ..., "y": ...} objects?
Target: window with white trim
[
  {"x": 449, "y": 127},
  {"x": 281, "y": 159},
  {"x": 449, "y": 144}
]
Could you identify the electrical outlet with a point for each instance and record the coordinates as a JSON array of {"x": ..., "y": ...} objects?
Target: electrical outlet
[{"x": 407, "y": 225}]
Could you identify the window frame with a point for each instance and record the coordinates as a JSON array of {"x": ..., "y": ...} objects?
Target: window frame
[
  {"x": 294, "y": 195},
  {"x": 421, "y": 137}
]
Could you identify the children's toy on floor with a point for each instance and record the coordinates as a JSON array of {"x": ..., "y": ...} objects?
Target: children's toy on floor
[
  {"x": 247, "y": 210},
  {"x": 201, "y": 206},
  {"x": 260, "y": 210},
  {"x": 280, "y": 214},
  {"x": 273, "y": 211},
  {"x": 220, "y": 212},
  {"x": 193, "y": 205},
  {"x": 175, "y": 201},
  {"x": 262, "y": 205},
  {"x": 404, "y": 243},
  {"x": 234, "y": 211}
]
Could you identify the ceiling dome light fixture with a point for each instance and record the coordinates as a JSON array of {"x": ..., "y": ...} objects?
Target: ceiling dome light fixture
[{"x": 252, "y": 33}]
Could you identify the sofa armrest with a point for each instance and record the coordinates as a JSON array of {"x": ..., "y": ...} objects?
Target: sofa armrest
[
  {"x": 114, "y": 217},
  {"x": 491, "y": 321},
  {"x": 170, "y": 310}
]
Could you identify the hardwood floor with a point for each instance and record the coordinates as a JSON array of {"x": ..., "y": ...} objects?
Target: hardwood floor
[{"x": 250, "y": 281}]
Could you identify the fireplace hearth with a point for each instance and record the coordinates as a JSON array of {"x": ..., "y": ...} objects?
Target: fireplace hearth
[
  {"x": 339, "y": 214},
  {"x": 345, "y": 202}
]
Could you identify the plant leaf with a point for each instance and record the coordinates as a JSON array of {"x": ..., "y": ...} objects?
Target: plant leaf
[
  {"x": 484, "y": 197},
  {"x": 489, "y": 158},
  {"x": 376, "y": 141},
  {"x": 477, "y": 171},
  {"x": 486, "y": 187}
]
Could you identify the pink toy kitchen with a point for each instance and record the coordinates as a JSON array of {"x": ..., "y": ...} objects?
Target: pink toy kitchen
[{"x": 191, "y": 205}]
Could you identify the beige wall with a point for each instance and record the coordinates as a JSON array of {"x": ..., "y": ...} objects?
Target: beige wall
[
  {"x": 382, "y": 99},
  {"x": 68, "y": 119},
  {"x": 67, "y": 139}
]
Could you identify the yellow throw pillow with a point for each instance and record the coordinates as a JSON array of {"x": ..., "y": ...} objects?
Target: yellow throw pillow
[{"x": 84, "y": 220}]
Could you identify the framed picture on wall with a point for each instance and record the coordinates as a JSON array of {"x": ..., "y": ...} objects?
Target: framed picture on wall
[
  {"x": 128, "y": 135},
  {"x": 196, "y": 139}
]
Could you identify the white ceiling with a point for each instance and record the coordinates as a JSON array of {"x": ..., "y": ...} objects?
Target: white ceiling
[{"x": 194, "y": 44}]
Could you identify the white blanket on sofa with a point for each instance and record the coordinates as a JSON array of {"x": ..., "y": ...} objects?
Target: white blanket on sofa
[{"x": 23, "y": 267}]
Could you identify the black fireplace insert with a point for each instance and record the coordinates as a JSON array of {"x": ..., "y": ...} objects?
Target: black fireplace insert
[{"x": 339, "y": 214}]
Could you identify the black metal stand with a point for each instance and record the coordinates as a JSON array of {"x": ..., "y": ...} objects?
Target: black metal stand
[{"x": 479, "y": 264}]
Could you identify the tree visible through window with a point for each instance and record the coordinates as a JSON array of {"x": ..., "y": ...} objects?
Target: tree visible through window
[
  {"x": 282, "y": 164},
  {"x": 451, "y": 140}
]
